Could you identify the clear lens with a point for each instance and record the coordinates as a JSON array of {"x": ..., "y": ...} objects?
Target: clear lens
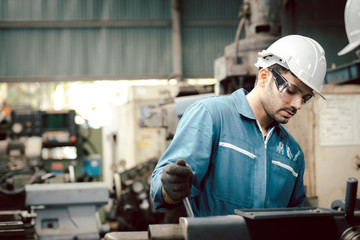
[{"x": 289, "y": 91}]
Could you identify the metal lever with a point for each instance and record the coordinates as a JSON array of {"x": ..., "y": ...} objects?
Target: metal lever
[
  {"x": 189, "y": 211},
  {"x": 188, "y": 208},
  {"x": 350, "y": 197}
]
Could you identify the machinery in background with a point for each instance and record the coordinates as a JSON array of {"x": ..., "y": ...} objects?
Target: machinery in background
[
  {"x": 39, "y": 145},
  {"x": 62, "y": 143},
  {"x": 16, "y": 171},
  {"x": 167, "y": 115},
  {"x": 68, "y": 211},
  {"x": 53, "y": 131},
  {"x": 132, "y": 208},
  {"x": 17, "y": 225},
  {"x": 345, "y": 74},
  {"x": 43, "y": 156},
  {"x": 262, "y": 21},
  {"x": 56, "y": 128}
]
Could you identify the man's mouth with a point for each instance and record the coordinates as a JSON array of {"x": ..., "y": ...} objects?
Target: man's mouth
[{"x": 289, "y": 113}]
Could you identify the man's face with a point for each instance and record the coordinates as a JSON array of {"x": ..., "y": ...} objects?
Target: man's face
[{"x": 278, "y": 107}]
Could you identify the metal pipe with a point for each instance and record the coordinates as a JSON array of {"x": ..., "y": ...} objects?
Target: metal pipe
[{"x": 188, "y": 208}]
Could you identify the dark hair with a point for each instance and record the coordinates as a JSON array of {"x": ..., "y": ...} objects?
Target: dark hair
[{"x": 280, "y": 69}]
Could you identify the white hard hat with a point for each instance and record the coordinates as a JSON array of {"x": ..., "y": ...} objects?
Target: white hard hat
[
  {"x": 352, "y": 25},
  {"x": 303, "y": 56}
]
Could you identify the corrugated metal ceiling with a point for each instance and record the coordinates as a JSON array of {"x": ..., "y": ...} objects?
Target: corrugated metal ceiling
[
  {"x": 52, "y": 40},
  {"x": 48, "y": 40}
]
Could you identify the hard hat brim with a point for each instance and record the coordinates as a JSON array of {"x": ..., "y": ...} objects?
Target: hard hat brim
[
  {"x": 349, "y": 48},
  {"x": 318, "y": 92},
  {"x": 321, "y": 95}
]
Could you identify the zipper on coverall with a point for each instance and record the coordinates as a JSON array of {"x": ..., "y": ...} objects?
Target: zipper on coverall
[{"x": 265, "y": 158}]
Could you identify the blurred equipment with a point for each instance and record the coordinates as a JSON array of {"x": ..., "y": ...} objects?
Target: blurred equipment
[
  {"x": 57, "y": 128},
  {"x": 91, "y": 166},
  {"x": 44, "y": 147},
  {"x": 62, "y": 144},
  {"x": 262, "y": 23},
  {"x": 67, "y": 211},
  {"x": 166, "y": 115},
  {"x": 36, "y": 152},
  {"x": 19, "y": 165},
  {"x": 125, "y": 139},
  {"x": 345, "y": 74},
  {"x": 5, "y": 121},
  {"x": 17, "y": 225},
  {"x": 133, "y": 210}
]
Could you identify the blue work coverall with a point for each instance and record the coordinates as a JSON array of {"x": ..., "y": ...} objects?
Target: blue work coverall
[{"x": 234, "y": 166}]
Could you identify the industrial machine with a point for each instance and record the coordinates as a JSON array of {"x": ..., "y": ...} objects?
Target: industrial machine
[
  {"x": 346, "y": 74},
  {"x": 31, "y": 152},
  {"x": 341, "y": 222},
  {"x": 57, "y": 128},
  {"x": 67, "y": 210},
  {"x": 17, "y": 225},
  {"x": 132, "y": 208},
  {"x": 62, "y": 144},
  {"x": 263, "y": 21},
  {"x": 39, "y": 190}
]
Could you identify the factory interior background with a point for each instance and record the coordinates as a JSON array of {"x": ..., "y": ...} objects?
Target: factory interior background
[{"x": 91, "y": 91}]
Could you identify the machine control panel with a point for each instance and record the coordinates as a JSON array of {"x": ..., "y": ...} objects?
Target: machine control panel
[{"x": 57, "y": 128}]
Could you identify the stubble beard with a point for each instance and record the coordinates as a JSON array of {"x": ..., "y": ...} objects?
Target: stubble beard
[
  {"x": 271, "y": 108},
  {"x": 276, "y": 114}
]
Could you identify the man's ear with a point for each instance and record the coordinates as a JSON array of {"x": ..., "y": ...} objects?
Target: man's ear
[{"x": 263, "y": 76}]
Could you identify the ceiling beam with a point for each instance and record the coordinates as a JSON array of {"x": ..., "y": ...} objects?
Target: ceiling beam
[{"x": 112, "y": 23}]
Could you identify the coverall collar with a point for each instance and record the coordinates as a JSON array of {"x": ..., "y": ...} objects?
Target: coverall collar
[{"x": 241, "y": 103}]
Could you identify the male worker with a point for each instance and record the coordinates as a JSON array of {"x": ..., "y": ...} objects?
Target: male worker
[
  {"x": 237, "y": 153},
  {"x": 352, "y": 27}
]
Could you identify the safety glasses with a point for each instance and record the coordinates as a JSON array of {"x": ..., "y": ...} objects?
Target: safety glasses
[{"x": 289, "y": 91}]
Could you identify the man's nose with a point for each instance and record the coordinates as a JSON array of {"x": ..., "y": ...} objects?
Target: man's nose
[{"x": 297, "y": 103}]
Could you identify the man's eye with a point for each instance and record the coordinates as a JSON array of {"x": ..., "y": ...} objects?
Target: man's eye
[{"x": 291, "y": 91}]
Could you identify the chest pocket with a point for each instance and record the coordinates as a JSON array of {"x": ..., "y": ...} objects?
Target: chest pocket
[
  {"x": 233, "y": 175},
  {"x": 283, "y": 175}
]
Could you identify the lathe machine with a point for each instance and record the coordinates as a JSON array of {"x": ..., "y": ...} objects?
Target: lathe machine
[{"x": 340, "y": 222}]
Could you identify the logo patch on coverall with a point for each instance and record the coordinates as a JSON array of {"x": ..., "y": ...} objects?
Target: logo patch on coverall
[{"x": 281, "y": 150}]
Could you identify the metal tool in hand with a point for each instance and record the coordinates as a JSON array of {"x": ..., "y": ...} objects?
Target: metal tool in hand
[
  {"x": 177, "y": 180},
  {"x": 188, "y": 208},
  {"x": 186, "y": 202}
]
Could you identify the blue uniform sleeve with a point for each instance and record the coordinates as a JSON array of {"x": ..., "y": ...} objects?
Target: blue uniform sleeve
[{"x": 193, "y": 142}]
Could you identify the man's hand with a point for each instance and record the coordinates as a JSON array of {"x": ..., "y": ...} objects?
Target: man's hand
[{"x": 176, "y": 180}]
